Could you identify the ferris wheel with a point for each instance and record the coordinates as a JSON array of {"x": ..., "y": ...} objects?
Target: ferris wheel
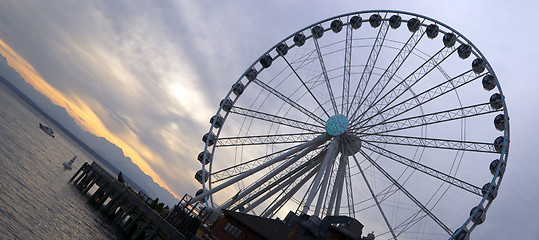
[{"x": 389, "y": 117}]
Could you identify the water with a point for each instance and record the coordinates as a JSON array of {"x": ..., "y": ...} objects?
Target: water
[{"x": 36, "y": 199}]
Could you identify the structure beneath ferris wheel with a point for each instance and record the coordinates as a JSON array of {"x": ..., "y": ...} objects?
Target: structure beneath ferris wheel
[{"x": 359, "y": 117}]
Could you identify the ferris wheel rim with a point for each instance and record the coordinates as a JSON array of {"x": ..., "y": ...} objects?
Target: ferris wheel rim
[{"x": 496, "y": 179}]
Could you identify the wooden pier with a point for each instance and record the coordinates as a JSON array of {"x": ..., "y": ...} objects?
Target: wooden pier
[{"x": 121, "y": 207}]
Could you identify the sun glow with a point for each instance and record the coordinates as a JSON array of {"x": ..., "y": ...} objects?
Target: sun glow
[{"x": 83, "y": 114}]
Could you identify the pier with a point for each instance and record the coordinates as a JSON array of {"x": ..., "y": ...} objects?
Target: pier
[{"x": 121, "y": 207}]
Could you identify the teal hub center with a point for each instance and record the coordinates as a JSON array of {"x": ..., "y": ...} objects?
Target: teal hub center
[{"x": 337, "y": 125}]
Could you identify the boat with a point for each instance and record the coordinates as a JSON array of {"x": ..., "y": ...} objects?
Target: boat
[
  {"x": 67, "y": 165},
  {"x": 46, "y": 129}
]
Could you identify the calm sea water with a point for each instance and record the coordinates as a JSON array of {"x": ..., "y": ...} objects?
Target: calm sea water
[{"x": 36, "y": 199}]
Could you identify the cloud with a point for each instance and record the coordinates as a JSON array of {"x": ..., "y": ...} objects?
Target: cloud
[
  {"x": 83, "y": 114},
  {"x": 153, "y": 74},
  {"x": 129, "y": 72}
]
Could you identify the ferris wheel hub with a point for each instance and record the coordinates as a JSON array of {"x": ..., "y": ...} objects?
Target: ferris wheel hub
[{"x": 337, "y": 125}]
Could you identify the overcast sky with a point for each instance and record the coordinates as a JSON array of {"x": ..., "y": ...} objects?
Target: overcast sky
[{"x": 147, "y": 75}]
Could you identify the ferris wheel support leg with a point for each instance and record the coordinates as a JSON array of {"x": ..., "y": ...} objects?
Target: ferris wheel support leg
[
  {"x": 337, "y": 187},
  {"x": 316, "y": 141},
  {"x": 324, "y": 191},
  {"x": 272, "y": 174},
  {"x": 339, "y": 196},
  {"x": 331, "y": 153},
  {"x": 315, "y": 164},
  {"x": 271, "y": 211},
  {"x": 280, "y": 184}
]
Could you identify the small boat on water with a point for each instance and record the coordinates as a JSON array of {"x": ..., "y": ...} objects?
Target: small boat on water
[
  {"x": 46, "y": 129},
  {"x": 67, "y": 165}
]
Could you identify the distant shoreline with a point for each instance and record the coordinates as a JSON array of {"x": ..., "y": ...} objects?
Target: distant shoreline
[{"x": 30, "y": 105}]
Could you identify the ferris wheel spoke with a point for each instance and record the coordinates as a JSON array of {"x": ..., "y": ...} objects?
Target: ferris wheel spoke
[
  {"x": 375, "y": 198},
  {"x": 289, "y": 101},
  {"x": 411, "y": 221},
  {"x": 382, "y": 195},
  {"x": 405, "y": 84},
  {"x": 347, "y": 67},
  {"x": 407, "y": 193},
  {"x": 315, "y": 142},
  {"x": 304, "y": 60},
  {"x": 371, "y": 62},
  {"x": 427, "y": 119},
  {"x": 274, "y": 174},
  {"x": 326, "y": 77},
  {"x": 458, "y": 145},
  {"x": 279, "y": 184},
  {"x": 423, "y": 168},
  {"x": 390, "y": 71},
  {"x": 408, "y": 223},
  {"x": 305, "y": 85},
  {"x": 277, "y": 119},
  {"x": 426, "y": 96},
  {"x": 266, "y": 139}
]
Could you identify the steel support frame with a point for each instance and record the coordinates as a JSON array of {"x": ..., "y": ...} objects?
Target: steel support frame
[{"x": 317, "y": 141}]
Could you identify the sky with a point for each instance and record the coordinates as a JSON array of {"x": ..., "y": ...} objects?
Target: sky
[{"x": 147, "y": 75}]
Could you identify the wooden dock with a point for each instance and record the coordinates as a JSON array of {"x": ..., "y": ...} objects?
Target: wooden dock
[{"x": 121, "y": 207}]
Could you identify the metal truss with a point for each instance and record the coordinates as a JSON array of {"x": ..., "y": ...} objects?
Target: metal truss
[
  {"x": 326, "y": 164},
  {"x": 424, "y": 169},
  {"x": 406, "y": 83},
  {"x": 282, "y": 157},
  {"x": 287, "y": 193},
  {"x": 426, "y": 96},
  {"x": 371, "y": 62},
  {"x": 267, "y": 139},
  {"x": 347, "y": 66},
  {"x": 245, "y": 166},
  {"x": 428, "y": 119},
  {"x": 289, "y": 101},
  {"x": 279, "y": 182},
  {"x": 430, "y": 143},
  {"x": 326, "y": 77},
  {"x": 349, "y": 193},
  {"x": 333, "y": 188},
  {"x": 390, "y": 71},
  {"x": 277, "y": 119},
  {"x": 303, "y": 162}
]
